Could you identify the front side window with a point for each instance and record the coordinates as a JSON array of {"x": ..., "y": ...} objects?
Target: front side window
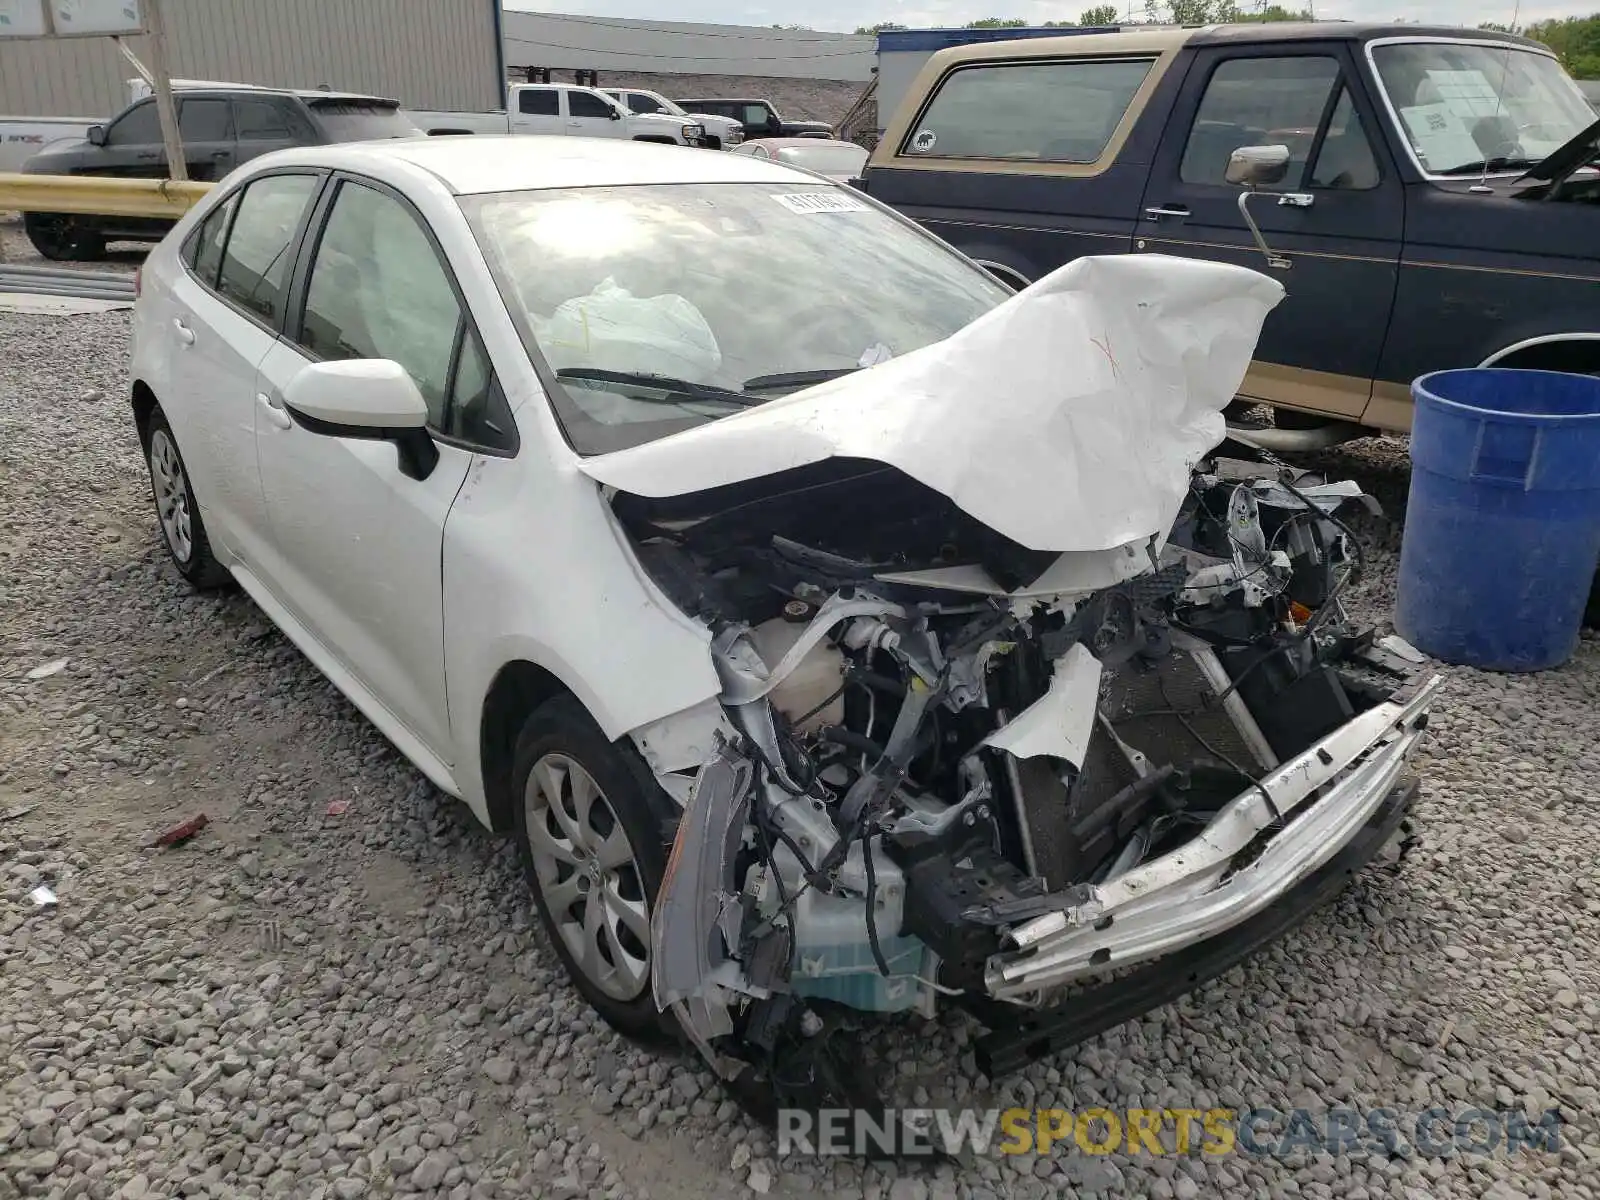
[
  {"x": 255, "y": 264},
  {"x": 1345, "y": 159},
  {"x": 1466, "y": 107},
  {"x": 538, "y": 103},
  {"x": 613, "y": 289},
  {"x": 587, "y": 104},
  {"x": 378, "y": 290},
  {"x": 756, "y": 114},
  {"x": 1255, "y": 102},
  {"x": 204, "y": 121},
  {"x": 139, "y": 126},
  {"x": 640, "y": 103},
  {"x": 1051, "y": 112}
]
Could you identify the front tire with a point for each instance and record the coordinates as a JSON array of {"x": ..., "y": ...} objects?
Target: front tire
[
  {"x": 592, "y": 831},
  {"x": 177, "y": 512},
  {"x": 61, "y": 237}
]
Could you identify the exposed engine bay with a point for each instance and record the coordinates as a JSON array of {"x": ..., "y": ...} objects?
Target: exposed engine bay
[{"x": 952, "y": 768}]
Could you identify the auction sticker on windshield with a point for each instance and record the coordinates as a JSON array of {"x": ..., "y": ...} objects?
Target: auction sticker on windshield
[{"x": 822, "y": 202}]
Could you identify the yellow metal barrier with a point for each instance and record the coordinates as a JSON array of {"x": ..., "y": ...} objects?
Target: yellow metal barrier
[{"x": 99, "y": 196}]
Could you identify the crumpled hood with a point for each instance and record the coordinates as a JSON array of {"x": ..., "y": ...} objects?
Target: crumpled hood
[{"x": 1068, "y": 418}]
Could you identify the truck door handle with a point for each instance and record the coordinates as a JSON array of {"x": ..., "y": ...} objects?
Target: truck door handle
[
  {"x": 274, "y": 411},
  {"x": 1162, "y": 210},
  {"x": 185, "y": 334}
]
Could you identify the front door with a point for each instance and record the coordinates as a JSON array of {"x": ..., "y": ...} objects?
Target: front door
[
  {"x": 357, "y": 543},
  {"x": 1337, "y": 217},
  {"x": 589, "y": 115}
]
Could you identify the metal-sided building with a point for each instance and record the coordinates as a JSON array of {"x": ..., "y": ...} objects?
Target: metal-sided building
[{"x": 438, "y": 54}]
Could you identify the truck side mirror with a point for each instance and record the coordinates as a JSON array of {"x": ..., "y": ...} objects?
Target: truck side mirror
[
  {"x": 97, "y": 135},
  {"x": 1251, "y": 167},
  {"x": 616, "y": 114}
]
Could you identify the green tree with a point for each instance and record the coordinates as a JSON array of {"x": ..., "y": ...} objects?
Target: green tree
[
  {"x": 1100, "y": 14},
  {"x": 879, "y": 27},
  {"x": 1576, "y": 42},
  {"x": 998, "y": 23}
]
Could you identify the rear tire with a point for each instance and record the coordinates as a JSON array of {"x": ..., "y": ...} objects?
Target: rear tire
[
  {"x": 62, "y": 237},
  {"x": 177, "y": 512},
  {"x": 593, "y": 829}
]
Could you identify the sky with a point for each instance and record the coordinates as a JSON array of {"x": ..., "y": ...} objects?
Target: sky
[{"x": 848, "y": 14}]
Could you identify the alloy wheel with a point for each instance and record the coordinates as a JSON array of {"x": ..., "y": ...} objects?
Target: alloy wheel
[
  {"x": 172, "y": 495},
  {"x": 588, "y": 876}
]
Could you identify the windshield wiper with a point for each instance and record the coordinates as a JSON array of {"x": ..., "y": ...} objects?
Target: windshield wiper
[
  {"x": 1492, "y": 164},
  {"x": 797, "y": 378},
  {"x": 674, "y": 388}
]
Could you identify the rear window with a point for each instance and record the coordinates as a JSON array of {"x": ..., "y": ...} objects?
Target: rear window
[
  {"x": 1059, "y": 112},
  {"x": 345, "y": 121}
]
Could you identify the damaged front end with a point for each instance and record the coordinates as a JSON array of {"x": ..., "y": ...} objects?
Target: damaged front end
[{"x": 951, "y": 768}]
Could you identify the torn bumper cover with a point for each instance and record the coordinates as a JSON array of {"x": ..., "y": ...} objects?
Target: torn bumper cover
[{"x": 1299, "y": 816}]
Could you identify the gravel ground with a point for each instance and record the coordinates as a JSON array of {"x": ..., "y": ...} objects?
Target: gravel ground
[{"x": 353, "y": 1000}]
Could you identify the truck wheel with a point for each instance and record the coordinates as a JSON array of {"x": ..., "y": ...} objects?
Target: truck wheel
[{"x": 62, "y": 237}]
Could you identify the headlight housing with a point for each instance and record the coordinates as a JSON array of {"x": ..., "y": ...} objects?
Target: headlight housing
[{"x": 691, "y": 132}]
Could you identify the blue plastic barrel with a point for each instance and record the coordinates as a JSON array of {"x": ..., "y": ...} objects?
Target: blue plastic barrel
[{"x": 1502, "y": 532}]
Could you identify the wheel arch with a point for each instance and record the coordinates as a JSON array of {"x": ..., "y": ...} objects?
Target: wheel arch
[
  {"x": 656, "y": 138},
  {"x": 144, "y": 403},
  {"x": 518, "y": 688}
]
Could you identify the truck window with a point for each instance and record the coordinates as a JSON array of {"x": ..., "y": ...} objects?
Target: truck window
[
  {"x": 538, "y": 103},
  {"x": 1259, "y": 101},
  {"x": 261, "y": 120},
  {"x": 1062, "y": 112},
  {"x": 640, "y": 103},
  {"x": 755, "y": 114},
  {"x": 204, "y": 121},
  {"x": 139, "y": 126},
  {"x": 587, "y": 104},
  {"x": 1345, "y": 159}
]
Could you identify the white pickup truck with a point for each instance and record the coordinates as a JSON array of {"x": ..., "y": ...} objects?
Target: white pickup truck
[
  {"x": 564, "y": 108},
  {"x": 722, "y": 133},
  {"x": 23, "y": 137}
]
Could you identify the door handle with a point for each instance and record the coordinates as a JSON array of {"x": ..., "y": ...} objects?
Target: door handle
[
  {"x": 273, "y": 409},
  {"x": 219, "y": 155},
  {"x": 1161, "y": 210},
  {"x": 185, "y": 334}
]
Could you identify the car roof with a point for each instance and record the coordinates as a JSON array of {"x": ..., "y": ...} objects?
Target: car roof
[
  {"x": 1172, "y": 37},
  {"x": 308, "y": 94},
  {"x": 478, "y": 164}
]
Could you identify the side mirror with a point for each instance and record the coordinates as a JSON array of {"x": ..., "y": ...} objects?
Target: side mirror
[
  {"x": 372, "y": 398},
  {"x": 616, "y": 114},
  {"x": 1251, "y": 167},
  {"x": 1257, "y": 166},
  {"x": 97, "y": 135}
]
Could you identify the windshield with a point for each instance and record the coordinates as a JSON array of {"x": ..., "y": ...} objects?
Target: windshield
[
  {"x": 356, "y": 122},
  {"x": 828, "y": 160},
  {"x": 1466, "y": 104},
  {"x": 662, "y": 307}
]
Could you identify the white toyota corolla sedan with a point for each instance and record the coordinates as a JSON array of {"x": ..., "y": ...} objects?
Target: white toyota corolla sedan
[{"x": 832, "y": 627}]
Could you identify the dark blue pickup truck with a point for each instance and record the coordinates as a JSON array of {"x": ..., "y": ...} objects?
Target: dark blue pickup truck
[{"x": 1427, "y": 196}]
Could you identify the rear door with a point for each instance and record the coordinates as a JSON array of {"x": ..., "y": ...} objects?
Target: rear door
[
  {"x": 1337, "y": 217},
  {"x": 205, "y": 126}
]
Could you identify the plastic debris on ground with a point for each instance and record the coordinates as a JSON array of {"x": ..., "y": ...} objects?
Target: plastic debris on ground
[
  {"x": 337, "y": 808},
  {"x": 179, "y": 834},
  {"x": 42, "y": 897},
  {"x": 48, "y": 669}
]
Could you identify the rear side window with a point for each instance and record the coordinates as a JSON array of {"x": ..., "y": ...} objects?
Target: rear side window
[
  {"x": 137, "y": 127},
  {"x": 539, "y": 104},
  {"x": 587, "y": 104},
  {"x": 255, "y": 265},
  {"x": 204, "y": 121},
  {"x": 261, "y": 120},
  {"x": 1053, "y": 112},
  {"x": 205, "y": 248}
]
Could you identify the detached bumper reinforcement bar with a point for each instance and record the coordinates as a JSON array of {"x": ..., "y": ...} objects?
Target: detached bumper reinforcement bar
[{"x": 1039, "y": 1034}]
